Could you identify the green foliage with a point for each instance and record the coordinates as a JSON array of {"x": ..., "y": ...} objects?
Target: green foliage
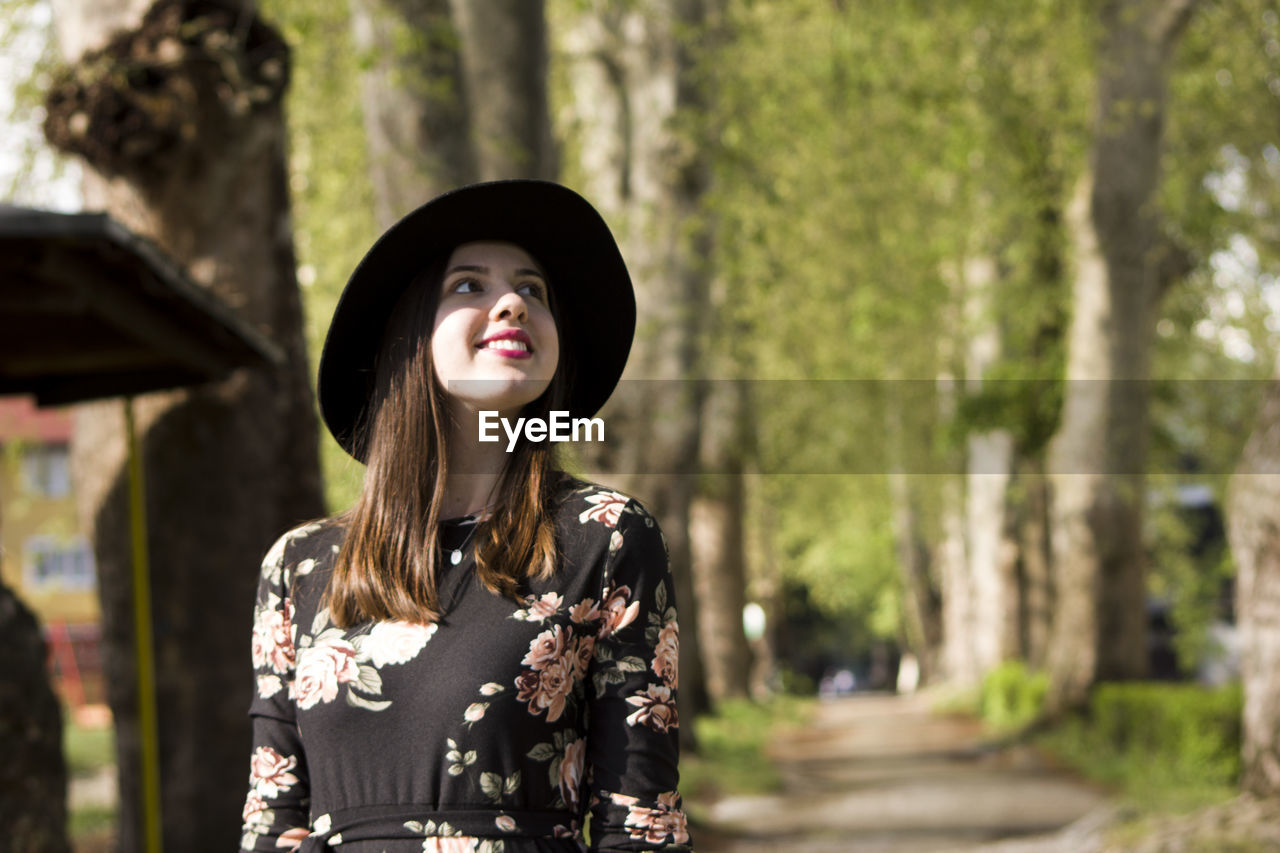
[
  {"x": 1160, "y": 743},
  {"x": 1189, "y": 567},
  {"x": 731, "y": 756},
  {"x": 1012, "y": 696},
  {"x": 33, "y": 174},
  {"x": 838, "y": 531},
  {"x": 329, "y": 177}
]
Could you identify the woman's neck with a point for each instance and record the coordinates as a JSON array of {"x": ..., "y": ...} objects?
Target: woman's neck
[{"x": 475, "y": 468}]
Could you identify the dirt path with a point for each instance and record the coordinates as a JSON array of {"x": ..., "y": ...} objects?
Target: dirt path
[{"x": 881, "y": 773}]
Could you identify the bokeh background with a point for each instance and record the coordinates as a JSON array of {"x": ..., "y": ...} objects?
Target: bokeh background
[{"x": 958, "y": 324}]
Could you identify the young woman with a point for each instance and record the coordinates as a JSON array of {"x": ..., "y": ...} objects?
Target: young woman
[{"x": 482, "y": 652}]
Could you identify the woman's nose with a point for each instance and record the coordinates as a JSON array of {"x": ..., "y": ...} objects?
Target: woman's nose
[{"x": 510, "y": 305}]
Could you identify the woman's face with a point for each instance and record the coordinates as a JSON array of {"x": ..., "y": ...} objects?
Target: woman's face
[{"x": 494, "y": 344}]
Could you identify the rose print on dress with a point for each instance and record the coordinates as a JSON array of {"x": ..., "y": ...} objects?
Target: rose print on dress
[
  {"x": 269, "y": 772},
  {"x": 605, "y": 507},
  {"x": 566, "y": 755},
  {"x": 273, "y": 635},
  {"x": 666, "y": 656},
  {"x": 656, "y": 709},
  {"x": 571, "y": 767},
  {"x": 269, "y": 685},
  {"x": 546, "y": 689},
  {"x": 254, "y": 806},
  {"x": 617, "y": 610},
  {"x": 556, "y": 660},
  {"x": 663, "y": 635},
  {"x": 458, "y": 844},
  {"x": 291, "y": 839},
  {"x": 333, "y": 660},
  {"x": 655, "y": 825},
  {"x": 539, "y": 609},
  {"x": 323, "y": 667},
  {"x": 395, "y": 642},
  {"x": 584, "y": 611},
  {"x": 272, "y": 644},
  {"x": 547, "y": 648}
]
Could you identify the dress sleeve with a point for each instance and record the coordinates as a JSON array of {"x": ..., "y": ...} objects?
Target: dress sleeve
[
  {"x": 276, "y": 809},
  {"x": 632, "y": 743}
]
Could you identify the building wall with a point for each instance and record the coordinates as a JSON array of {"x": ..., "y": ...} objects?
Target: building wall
[{"x": 44, "y": 558}]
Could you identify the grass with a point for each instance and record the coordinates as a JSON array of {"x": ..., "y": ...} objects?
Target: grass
[
  {"x": 1165, "y": 748},
  {"x": 731, "y": 757},
  {"x": 88, "y": 750},
  {"x": 91, "y": 820}
]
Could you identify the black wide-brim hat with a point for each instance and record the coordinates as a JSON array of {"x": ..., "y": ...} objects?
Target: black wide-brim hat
[{"x": 560, "y": 229}]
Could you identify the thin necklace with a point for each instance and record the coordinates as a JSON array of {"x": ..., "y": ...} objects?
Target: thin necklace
[{"x": 455, "y": 556}]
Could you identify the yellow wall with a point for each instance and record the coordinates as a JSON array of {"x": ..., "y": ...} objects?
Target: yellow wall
[{"x": 23, "y": 516}]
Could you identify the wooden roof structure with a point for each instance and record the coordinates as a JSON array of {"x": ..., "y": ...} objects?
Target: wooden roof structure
[{"x": 90, "y": 310}]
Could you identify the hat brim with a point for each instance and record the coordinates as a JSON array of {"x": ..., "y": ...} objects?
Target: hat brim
[{"x": 558, "y": 227}]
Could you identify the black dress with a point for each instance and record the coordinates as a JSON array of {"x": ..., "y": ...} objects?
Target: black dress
[{"x": 499, "y": 728}]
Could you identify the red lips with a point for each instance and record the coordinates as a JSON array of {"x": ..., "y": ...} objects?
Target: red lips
[{"x": 518, "y": 335}]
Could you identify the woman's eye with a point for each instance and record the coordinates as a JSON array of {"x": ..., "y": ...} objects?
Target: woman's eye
[
  {"x": 534, "y": 289},
  {"x": 466, "y": 285}
]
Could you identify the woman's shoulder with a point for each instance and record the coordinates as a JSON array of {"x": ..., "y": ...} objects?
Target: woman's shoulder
[
  {"x": 300, "y": 549},
  {"x": 594, "y": 505}
]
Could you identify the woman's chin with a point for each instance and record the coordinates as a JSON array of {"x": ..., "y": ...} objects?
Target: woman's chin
[{"x": 491, "y": 392}]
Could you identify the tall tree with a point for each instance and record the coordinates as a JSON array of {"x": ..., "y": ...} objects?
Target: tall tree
[
  {"x": 176, "y": 110},
  {"x": 1122, "y": 265},
  {"x": 504, "y": 63},
  {"x": 718, "y": 540},
  {"x": 633, "y": 83},
  {"x": 415, "y": 109},
  {"x": 454, "y": 92},
  {"x": 1253, "y": 502}
]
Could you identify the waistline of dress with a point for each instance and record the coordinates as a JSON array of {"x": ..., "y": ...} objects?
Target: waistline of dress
[{"x": 417, "y": 822}]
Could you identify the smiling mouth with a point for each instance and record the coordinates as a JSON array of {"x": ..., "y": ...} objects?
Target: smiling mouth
[{"x": 507, "y": 347}]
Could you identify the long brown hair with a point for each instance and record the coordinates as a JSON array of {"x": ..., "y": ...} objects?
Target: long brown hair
[{"x": 387, "y": 567}]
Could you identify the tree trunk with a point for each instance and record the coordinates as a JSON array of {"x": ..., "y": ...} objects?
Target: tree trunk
[
  {"x": 1253, "y": 504},
  {"x": 994, "y": 593},
  {"x": 922, "y": 613},
  {"x": 1099, "y": 452},
  {"x": 921, "y": 604},
  {"x": 504, "y": 60},
  {"x": 1035, "y": 578},
  {"x": 958, "y": 660},
  {"x": 632, "y": 77},
  {"x": 415, "y": 107},
  {"x": 33, "y": 809},
  {"x": 455, "y": 91},
  {"x": 721, "y": 584},
  {"x": 188, "y": 149},
  {"x": 717, "y": 530}
]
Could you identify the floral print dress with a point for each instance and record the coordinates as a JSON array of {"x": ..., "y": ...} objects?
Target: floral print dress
[{"x": 499, "y": 728}]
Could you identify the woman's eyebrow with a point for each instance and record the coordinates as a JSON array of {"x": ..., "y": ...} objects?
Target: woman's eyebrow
[{"x": 522, "y": 271}]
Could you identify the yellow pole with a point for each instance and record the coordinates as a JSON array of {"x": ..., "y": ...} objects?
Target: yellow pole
[{"x": 148, "y": 730}]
